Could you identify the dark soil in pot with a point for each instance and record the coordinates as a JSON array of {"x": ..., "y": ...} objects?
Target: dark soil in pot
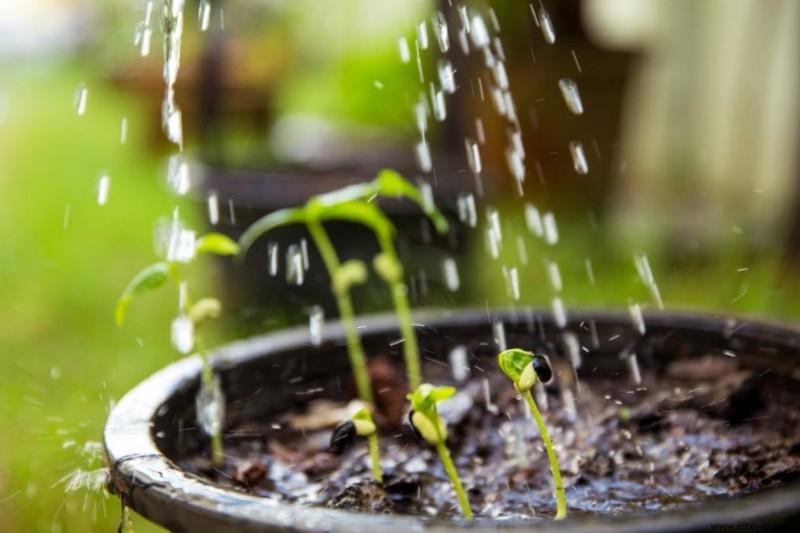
[{"x": 687, "y": 420}]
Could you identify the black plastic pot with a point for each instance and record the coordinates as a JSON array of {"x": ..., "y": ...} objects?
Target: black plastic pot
[{"x": 154, "y": 424}]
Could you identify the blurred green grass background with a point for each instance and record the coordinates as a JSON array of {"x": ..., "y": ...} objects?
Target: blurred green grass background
[{"x": 64, "y": 259}]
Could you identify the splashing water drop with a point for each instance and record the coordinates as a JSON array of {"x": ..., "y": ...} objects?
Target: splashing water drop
[
  {"x": 403, "y": 49},
  {"x": 478, "y": 32},
  {"x": 440, "y": 31},
  {"x": 546, "y": 26},
  {"x": 550, "y": 228},
  {"x": 81, "y": 95},
  {"x": 213, "y": 208},
  {"x": 315, "y": 320},
  {"x": 295, "y": 273},
  {"x": 473, "y": 156},
  {"x": 467, "y": 212},
  {"x": 422, "y": 35},
  {"x": 578, "y": 157},
  {"x": 446, "y": 76},
  {"x": 103, "y": 186},
  {"x": 182, "y": 334},
  {"x": 178, "y": 174},
  {"x": 559, "y": 313},
  {"x": 646, "y": 275},
  {"x": 450, "y": 271},
  {"x": 210, "y": 406},
  {"x": 572, "y": 97}
]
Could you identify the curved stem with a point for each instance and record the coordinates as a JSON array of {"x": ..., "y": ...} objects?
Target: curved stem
[
  {"x": 403, "y": 310},
  {"x": 449, "y": 467},
  {"x": 561, "y": 500},
  {"x": 346, "y": 313}
]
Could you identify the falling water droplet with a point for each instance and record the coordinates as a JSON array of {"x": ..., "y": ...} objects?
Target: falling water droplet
[
  {"x": 204, "y": 14},
  {"x": 316, "y": 319},
  {"x": 438, "y": 103},
  {"x": 210, "y": 406},
  {"x": 213, "y": 208},
  {"x": 273, "y": 252},
  {"x": 423, "y": 153},
  {"x": 478, "y": 32},
  {"x": 463, "y": 41},
  {"x": 181, "y": 246},
  {"x": 103, "y": 186},
  {"x": 635, "y": 311},
  {"x": 555, "y": 275},
  {"x": 499, "y": 101},
  {"x": 459, "y": 364},
  {"x": 403, "y": 49},
  {"x": 572, "y": 348},
  {"x": 450, "y": 272},
  {"x": 479, "y": 131},
  {"x": 178, "y": 174},
  {"x": 123, "y": 131},
  {"x": 500, "y": 75},
  {"x": 533, "y": 220},
  {"x": 440, "y": 31},
  {"x": 422, "y": 35},
  {"x": 559, "y": 313},
  {"x": 467, "y": 212},
  {"x": 420, "y": 70},
  {"x": 473, "y": 156},
  {"x": 550, "y": 228},
  {"x": 546, "y": 26},
  {"x": 589, "y": 271},
  {"x": 493, "y": 216},
  {"x": 182, "y": 334},
  {"x": 572, "y": 97},
  {"x": 632, "y": 362},
  {"x": 295, "y": 273},
  {"x": 81, "y": 94},
  {"x": 499, "y": 330},
  {"x": 446, "y": 76},
  {"x": 511, "y": 276},
  {"x": 578, "y": 157},
  {"x": 144, "y": 37},
  {"x": 516, "y": 166},
  {"x": 421, "y": 111}
]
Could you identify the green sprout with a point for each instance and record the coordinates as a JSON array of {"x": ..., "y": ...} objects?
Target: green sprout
[
  {"x": 190, "y": 316},
  {"x": 360, "y": 424},
  {"x": 354, "y": 204},
  {"x": 431, "y": 428},
  {"x": 524, "y": 368}
]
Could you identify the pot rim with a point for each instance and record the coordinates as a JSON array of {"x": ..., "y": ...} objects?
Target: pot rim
[{"x": 151, "y": 484}]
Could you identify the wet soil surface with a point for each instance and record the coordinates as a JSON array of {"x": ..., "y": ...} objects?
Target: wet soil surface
[{"x": 705, "y": 429}]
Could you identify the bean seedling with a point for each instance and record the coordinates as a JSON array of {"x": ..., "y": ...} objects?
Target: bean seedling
[
  {"x": 182, "y": 249},
  {"x": 524, "y": 368},
  {"x": 431, "y": 428},
  {"x": 354, "y": 204},
  {"x": 360, "y": 424}
]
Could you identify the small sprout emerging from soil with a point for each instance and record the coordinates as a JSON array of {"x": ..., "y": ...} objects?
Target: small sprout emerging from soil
[
  {"x": 524, "y": 368},
  {"x": 360, "y": 424},
  {"x": 430, "y": 427},
  {"x": 190, "y": 316}
]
